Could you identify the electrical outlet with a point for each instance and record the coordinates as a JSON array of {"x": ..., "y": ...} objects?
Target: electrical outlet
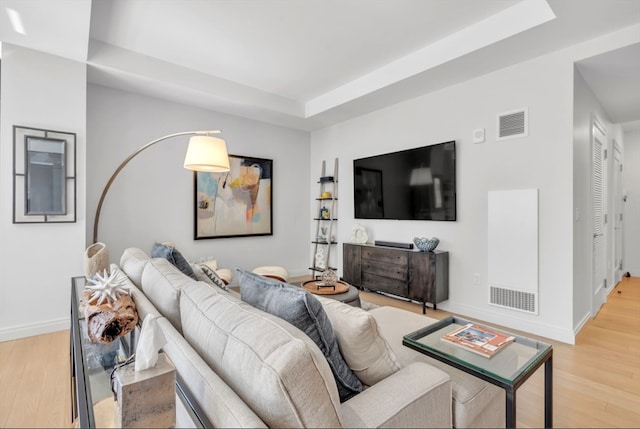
[{"x": 476, "y": 279}]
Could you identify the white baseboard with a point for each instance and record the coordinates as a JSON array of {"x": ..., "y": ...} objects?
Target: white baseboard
[
  {"x": 17, "y": 332},
  {"x": 581, "y": 324}
]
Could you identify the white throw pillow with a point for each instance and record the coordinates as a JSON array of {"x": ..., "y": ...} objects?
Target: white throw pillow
[{"x": 366, "y": 352}]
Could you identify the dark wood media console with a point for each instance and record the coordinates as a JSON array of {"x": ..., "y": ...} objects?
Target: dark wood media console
[{"x": 420, "y": 276}]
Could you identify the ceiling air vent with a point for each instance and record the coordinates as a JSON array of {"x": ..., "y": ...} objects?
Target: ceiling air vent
[{"x": 512, "y": 124}]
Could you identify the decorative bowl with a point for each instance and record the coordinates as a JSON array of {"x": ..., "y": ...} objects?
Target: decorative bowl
[{"x": 426, "y": 244}]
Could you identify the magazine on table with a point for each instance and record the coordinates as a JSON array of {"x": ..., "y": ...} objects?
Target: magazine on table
[{"x": 478, "y": 339}]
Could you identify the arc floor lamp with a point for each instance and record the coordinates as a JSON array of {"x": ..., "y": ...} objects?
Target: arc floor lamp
[{"x": 204, "y": 153}]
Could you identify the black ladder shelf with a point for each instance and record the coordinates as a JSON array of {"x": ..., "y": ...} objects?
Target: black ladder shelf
[{"x": 325, "y": 219}]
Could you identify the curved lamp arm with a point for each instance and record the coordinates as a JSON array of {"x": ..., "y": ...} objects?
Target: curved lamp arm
[{"x": 126, "y": 161}]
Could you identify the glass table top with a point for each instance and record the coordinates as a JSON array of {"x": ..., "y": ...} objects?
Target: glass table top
[{"x": 508, "y": 365}]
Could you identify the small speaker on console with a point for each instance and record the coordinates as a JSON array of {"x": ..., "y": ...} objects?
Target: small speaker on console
[{"x": 394, "y": 244}]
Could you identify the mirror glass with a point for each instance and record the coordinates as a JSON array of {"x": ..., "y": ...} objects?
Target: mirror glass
[{"x": 45, "y": 193}]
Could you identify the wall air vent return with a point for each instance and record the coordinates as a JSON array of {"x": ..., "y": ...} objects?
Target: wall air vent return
[
  {"x": 512, "y": 249},
  {"x": 513, "y": 124},
  {"x": 515, "y": 299}
]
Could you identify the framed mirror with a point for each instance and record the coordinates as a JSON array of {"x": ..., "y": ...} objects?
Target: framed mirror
[
  {"x": 44, "y": 176},
  {"x": 46, "y": 173}
]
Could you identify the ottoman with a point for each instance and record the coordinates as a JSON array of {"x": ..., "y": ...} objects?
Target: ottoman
[{"x": 274, "y": 272}]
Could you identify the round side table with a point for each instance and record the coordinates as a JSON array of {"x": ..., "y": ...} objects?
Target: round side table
[{"x": 344, "y": 292}]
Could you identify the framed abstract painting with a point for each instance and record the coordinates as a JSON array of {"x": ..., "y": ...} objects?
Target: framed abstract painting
[{"x": 237, "y": 203}]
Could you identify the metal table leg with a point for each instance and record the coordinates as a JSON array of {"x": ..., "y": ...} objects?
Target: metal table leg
[
  {"x": 511, "y": 407},
  {"x": 548, "y": 393}
]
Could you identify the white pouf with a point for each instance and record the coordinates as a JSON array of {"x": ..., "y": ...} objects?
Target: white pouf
[
  {"x": 225, "y": 274},
  {"x": 274, "y": 272}
]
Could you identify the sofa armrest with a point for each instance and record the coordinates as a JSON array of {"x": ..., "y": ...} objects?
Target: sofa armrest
[{"x": 417, "y": 396}]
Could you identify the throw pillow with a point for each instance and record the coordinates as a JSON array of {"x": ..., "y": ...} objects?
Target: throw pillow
[
  {"x": 172, "y": 255},
  {"x": 213, "y": 277},
  {"x": 305, "y": 312},
  {"x": 368, "y": 354},
  {"x": 200, "y": 275}
]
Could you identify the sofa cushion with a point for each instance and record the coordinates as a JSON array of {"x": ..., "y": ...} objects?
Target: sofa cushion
[
  {"x": 368, "y": 354},
  {"x": 132, "y": 262},
  {"x": 304, "y": 311},
  {"x": 172, "y": 255},
  {"x": 273, "y": 366},
  {"x": 162, "y": 283}
]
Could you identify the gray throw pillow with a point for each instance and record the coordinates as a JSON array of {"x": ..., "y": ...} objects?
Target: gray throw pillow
[
  {"x": 172, "y": 255},
  {"x": 305, "y": 312}
]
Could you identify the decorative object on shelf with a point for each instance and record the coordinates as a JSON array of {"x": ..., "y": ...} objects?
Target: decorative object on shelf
[
  {"x": 359, "y": 234},
  {"x": 323, "y": 234},
  {"x": 320, "y": 263},
  {"x": 107, "y": 322},
  {"x": 326, "y": 179},
  {"x": 328, "y": 279},
  {"x": 326, "y": 194},
  {"x": 324, "y": 213},
  {"x": 106, "y": 288},
  {"x": 236, "y": 203},
  {"x": 204, "y": 153},
  {"x": 426, "y": 244},
  {"x": 44, "y": 176},
  {"x": 108, "y": 308},
  {"x": 96, "y": 259}
]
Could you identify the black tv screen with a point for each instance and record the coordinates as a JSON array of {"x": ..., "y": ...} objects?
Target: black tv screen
[{"x": 413, "y": 184}]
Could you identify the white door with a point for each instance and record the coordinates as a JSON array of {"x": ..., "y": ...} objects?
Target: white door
[
  {"x": 599, "y": 217},
  {"x": 618, "y": 225}
]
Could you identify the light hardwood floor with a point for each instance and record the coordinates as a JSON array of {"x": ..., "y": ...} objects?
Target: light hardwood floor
[{"x": 596, "y": 382}]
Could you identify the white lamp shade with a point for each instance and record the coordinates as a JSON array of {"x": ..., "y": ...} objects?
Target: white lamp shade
[{"x": 207, "y": 153}]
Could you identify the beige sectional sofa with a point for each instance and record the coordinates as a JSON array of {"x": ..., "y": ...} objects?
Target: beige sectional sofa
[{"x": 249, "y": 368}]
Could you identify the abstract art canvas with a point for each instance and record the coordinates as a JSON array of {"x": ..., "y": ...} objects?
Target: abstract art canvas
[{"x": 237, "y": 203}]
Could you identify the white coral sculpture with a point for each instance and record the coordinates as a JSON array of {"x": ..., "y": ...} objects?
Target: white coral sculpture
[{"x": 107, "y": 288}]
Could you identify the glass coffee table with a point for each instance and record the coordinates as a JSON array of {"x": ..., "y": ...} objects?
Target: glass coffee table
[
  {"x": 91, "y": 366},
  {"x": 509, "y": 368}
]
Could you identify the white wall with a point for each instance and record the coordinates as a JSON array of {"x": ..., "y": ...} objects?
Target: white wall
[
  {"x": 542, "y": 161},
  {"x": 631, "y": 183},
  {"x": 37, "y": 260},
  {"x": 152, "y": 199}
]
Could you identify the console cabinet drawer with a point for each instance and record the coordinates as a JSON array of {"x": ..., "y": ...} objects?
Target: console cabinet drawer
[
  {"x": 397, "y": 272},
  {"x": 386, "y": 284},
  {"x": 385, "y": 256}
]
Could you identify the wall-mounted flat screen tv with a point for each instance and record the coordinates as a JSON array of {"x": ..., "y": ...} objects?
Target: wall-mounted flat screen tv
[{"x": 413, "y": 184}]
